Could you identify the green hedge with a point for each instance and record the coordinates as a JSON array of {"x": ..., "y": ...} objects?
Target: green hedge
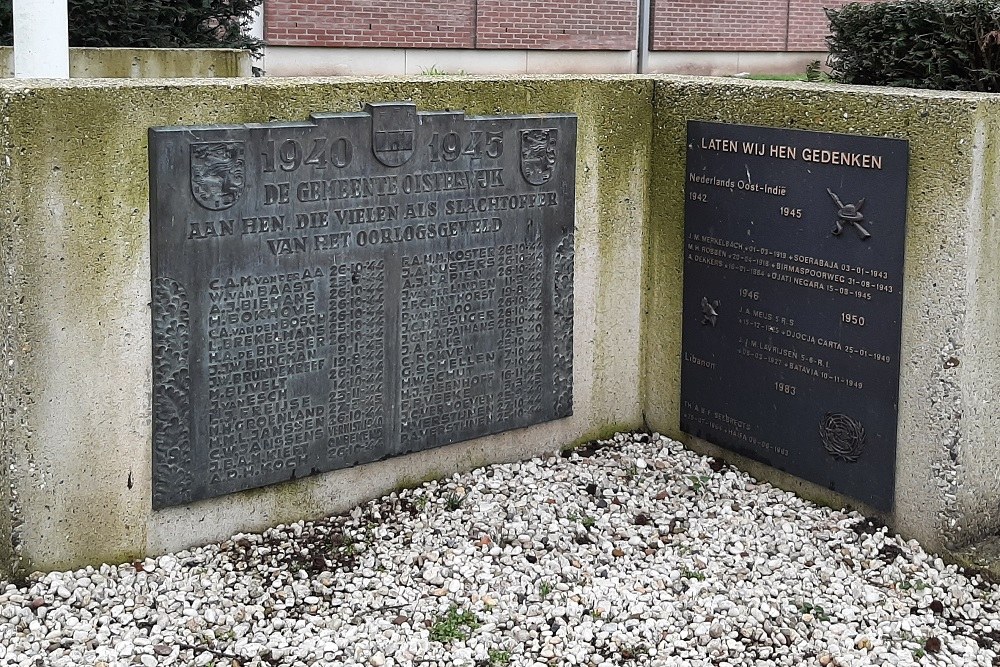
[
  {"x": 939, "y": 44},
  {"x": 152, "y": 23}
]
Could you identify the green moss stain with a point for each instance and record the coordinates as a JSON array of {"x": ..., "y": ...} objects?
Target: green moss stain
[
  {"x": 982, "y": 558},
  {"x": 603, "y": 432},
  {"x": 291, "y": 501},
  {"x": 619, "y": 156},
  {"x": 663, "y": 263},
  {"x": 405, "y": 482},
  {"x": 154, "y": 63},
  {"x": 81, "y": 191}
]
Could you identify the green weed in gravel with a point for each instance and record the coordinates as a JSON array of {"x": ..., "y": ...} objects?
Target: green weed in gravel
[
  {"x": 456, "y": 624},
  {"x": 498, "y": 658}
]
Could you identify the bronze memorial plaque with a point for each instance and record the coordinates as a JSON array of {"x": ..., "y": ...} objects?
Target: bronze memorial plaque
[
  {"x": 354, "y": 287},
  {"x": 793, "y": 277}
]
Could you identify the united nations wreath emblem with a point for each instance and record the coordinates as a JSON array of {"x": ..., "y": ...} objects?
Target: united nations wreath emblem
[
  {"x": 217, "y": 173},
  {"x": 843, "y": 437},
  {"x": 538, "y": 154}
]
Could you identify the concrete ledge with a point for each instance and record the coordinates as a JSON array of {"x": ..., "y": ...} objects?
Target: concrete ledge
[
  {"x": 729, "y": 63},
  {"x": 108, "y": 63},
  {"x": 320, "y": 61}
]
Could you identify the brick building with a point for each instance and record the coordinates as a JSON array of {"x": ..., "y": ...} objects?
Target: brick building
[{"x": 537, "y": 36}]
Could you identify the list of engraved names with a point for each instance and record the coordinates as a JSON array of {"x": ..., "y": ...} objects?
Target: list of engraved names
[{"x": 351, "y": 288}]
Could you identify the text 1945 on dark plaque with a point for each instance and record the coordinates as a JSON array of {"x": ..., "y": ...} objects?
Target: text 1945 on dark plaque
[
  {"x": 361, "y": 285},
  {"x": 793, "y": 277}
]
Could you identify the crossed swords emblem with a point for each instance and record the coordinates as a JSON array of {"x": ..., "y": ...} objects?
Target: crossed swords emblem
[{"x": 849, "y": 214}]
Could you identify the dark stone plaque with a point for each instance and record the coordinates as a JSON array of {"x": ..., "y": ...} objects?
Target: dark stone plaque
[
  {"x": 793, "y": 276},
  {"x": 357, "y": 286}
]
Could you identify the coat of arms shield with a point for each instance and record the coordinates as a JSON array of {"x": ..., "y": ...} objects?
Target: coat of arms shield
[
  {"x": 217, "y": 173},
  {"x": 538, "y": 154},
  {"x": 393, "y": 132}
]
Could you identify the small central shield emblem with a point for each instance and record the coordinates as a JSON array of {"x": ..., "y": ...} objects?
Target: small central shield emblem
[
  {"x": 393, "y": 132},
  {"x": 217, "y": 173},
  {"x": 538, "y": 154}
]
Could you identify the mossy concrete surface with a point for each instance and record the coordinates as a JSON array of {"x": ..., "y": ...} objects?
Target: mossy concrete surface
[
  {"x": 12, "y": 395},
  {"x": 109, "y": 63},
  {"x": 947, "y": 480},
  {"x": 982, "y": 558},
  {"x": 74, "y": 309},
  {"x": 75, "y": 186}
]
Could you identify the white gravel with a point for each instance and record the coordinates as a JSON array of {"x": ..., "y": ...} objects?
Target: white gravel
[{"x": 637, "y": 553}]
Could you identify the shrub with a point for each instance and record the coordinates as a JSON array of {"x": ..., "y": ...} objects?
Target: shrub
[
  {"x": 939, "y": 44},
  {"x": 153, "y": 23}
]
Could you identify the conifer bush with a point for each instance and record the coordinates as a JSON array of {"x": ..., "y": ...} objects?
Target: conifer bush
[
  {"x": 937, "y": 44},
  {"x": 153, "y": 23}
]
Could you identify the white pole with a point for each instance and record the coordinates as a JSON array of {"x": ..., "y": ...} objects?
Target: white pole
[
  {"x": 256, "y": 29},
  {"x": 41, "y": 39},
  {"x": 642, "y": 61},
  {"x": 257, "y": 21}
]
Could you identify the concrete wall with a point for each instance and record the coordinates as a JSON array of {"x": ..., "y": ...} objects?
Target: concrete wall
[
  {"x": 74, "y": 265},
  {"x": 150, "y": 63},
  {"x": 948, "y": 462},
  {"x": 77, "y": 291},
  {"x": 321, "y": 61}
]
